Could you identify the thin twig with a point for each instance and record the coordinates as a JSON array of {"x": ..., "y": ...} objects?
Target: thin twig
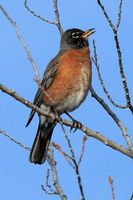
[
  {"x": 106, "y": 15},
  {"x": 119, "y": 14},
  {"x": 12, "y": 139},
  {"x": 22, "y": 42},
  {"x": 86, "y": 130},
  {"x": 76, "y": 166},
  {"x": 57, "y": 22},
  {"x": 72, "y": 157},
  {"x": 69, "y": 146},
  {"x": 36, "y": 15},
  {"x": 112, "y": 187},
  {"x": 95, "y": 61},
  {"x": 114, "y": 117},
  {"x": 66, "y": 156},
  {"x": 47, "y": 181},
  {"x": 47, "y": 192},
  {"x": 52, "y": 192},
  {"x": 52, "y": 163},
  {"x": 82, "y": 149},
  {"x": 79, "y": 182},
  {"x": 114, "y": 29},
  {"x": 123, "y": 77},
  {"x": 57, "y": 17}
]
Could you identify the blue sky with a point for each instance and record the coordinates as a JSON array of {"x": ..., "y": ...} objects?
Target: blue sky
[{"x": 20, "y": 179}]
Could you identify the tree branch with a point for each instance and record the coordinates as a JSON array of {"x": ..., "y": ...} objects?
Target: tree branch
[
  {"x": 119, "y": 54},
  {"x": 123, "y": 77},
  {"x": 36, "y": 15},
  {"x": 95, "y": 61},
  {"x": 57, "y": 17},
  {"x": 12, "y": 139},
  {"x": 119, "y": 14},
  {"x": 76, "y": 166},
  {"x": 66, "y": 156},
  {"x": 111, "y": 186},
  {"x": 82, "y": 149},
  {"x": 47, "y": 192},
  {"x": 105, "y": 14},
  {"x": 114, "y": 117},
  {"x": 57, "y": 22},
  {"x": 47, "y": 181},
  {"x": 22, "y": 42},
  {"x": 52, "y": 163},
  {"x": 86, "y": 130}
]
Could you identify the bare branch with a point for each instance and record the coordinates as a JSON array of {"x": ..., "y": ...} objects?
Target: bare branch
[
  {"x": 123, "y": 77},
  {"x": 76, "y": 166},
  {"x": 119, "y": 15},
  {"x": 36, "y": 15},
  {"x": 22, "y": 42},
  {"x": 12, "y": 93},
  {"x": 106, "y": 15},
  {"x": 52, "y": 163},
  {"x": 112, "y": 187},
  {"x": 82, "y": 149},
  {"x": 114, "y": 29},
  {"x": 66, "y": 156},
  {"x": 49, "y": 193},
  {"x": 22, "y": 145},
  {"x": 95, "y": 61},
  {"x": 69, "y": 146},
  {"x": 57, "y": 22},
  {"x": 52, "y": 192},
  {"x": 57, "y": 17},
  {"x": 79, "y": 182},
  {"x": 47, "y": 180},
  {"x": 114, "y": 117},
  {"x": 86, "y": 130},
  {"x": 108, "y": 142},
  {"x": 25, "y": 102}
]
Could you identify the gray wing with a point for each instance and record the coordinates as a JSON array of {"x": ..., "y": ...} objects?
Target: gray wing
[{"x": 47, "y": 80}]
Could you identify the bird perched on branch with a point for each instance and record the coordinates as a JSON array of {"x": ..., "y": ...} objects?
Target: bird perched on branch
[{"x": 64, "y": 87}]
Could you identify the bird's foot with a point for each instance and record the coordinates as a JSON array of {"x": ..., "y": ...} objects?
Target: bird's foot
[{"x": 75, "y": 125}]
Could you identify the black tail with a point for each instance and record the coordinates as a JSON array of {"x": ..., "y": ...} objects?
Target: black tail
[{"x": 40, "y": 146}]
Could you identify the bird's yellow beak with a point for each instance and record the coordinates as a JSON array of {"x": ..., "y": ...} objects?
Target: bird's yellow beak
[{"x": 88, "y": 33}]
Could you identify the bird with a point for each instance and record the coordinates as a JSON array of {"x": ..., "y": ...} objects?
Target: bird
[{"x": 65, "y": 85}]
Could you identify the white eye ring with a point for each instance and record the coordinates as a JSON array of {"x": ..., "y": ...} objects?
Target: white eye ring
[{"x": 75, "y": 35}]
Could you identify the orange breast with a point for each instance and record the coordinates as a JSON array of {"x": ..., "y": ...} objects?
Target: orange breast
[{"x": 73, "y": 77}]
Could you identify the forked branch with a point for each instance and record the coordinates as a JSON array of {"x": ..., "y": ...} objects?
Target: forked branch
[
  {"x": 118, "y": 49},
  {"x": 57, "y": 22}
]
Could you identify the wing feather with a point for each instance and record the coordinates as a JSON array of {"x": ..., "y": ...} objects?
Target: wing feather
[{"x": 48, "y": 78}]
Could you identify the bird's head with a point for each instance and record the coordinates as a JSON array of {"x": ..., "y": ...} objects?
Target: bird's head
[{"x": 75, "y": 38}]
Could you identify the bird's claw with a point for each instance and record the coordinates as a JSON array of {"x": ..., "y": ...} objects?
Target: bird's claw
[{"x": 75, "y": 126}]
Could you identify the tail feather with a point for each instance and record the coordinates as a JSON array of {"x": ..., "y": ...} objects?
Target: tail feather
[{"x": 40, "y": 146}]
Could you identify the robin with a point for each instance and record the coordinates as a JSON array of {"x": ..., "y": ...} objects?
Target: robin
[{"x": 65, "y": 85}]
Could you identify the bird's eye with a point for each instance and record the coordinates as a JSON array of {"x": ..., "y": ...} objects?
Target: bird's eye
[{"x": 75, "y": 35}]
